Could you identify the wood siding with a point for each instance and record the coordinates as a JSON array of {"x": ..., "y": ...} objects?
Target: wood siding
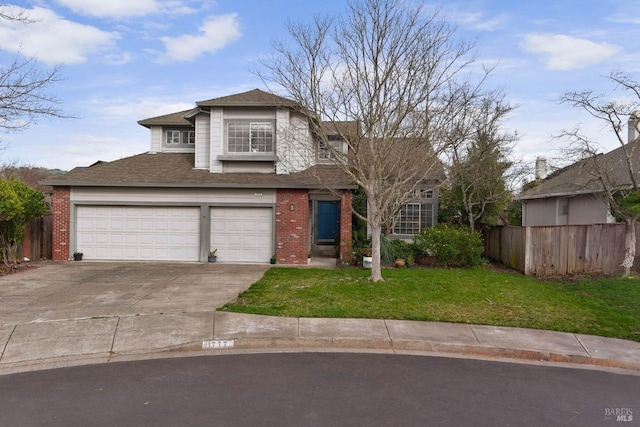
[
  {"x": 216, "y": 139},
  {"x": 156, "y": 139},
  {"x": 203, "y": 141}
]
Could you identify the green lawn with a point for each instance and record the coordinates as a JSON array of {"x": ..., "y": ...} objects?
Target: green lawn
[{"x": 605, "y": 307}]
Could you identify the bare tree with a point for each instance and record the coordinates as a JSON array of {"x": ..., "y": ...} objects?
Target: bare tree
[
  {"x": 23, "y": 87},
  {"x": 613, "y": 177},
  {"x": 396, "y": 69}
]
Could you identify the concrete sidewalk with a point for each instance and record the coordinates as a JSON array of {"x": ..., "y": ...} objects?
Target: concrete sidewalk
[
  {"x": 63, "y": 314},
  {"x": 41, "y": 345}
]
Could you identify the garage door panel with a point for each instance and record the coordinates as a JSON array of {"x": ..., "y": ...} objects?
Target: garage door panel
[
  {"x": 242, "y": 234},
  {"x": 138, "y": 233},
  {"x": 117, "y": 238},
  {"x": 101, "y": 238}
]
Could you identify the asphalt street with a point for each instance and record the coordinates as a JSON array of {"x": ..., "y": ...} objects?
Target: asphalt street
[{"x": 319, "y": 389}]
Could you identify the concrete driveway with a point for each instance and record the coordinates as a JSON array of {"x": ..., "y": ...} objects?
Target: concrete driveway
[
  {"x": 76, "y": 290},
  {"x": 64, "y": 313}
]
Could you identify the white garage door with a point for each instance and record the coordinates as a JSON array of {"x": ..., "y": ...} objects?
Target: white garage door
[
  {"x": 138, "y": 233},
  {"x": 242, "y": 234}
]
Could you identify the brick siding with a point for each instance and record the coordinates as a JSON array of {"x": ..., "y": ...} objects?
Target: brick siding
[
  {"x": 292, "y": 226},
  {"x": 61, "y": 223},
  {"x": 345, "y": 226}
]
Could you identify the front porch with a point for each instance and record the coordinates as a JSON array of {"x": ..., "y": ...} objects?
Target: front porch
[{"x": 312, "y": 223}]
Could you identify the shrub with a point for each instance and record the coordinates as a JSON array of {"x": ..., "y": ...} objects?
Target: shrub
[
  {"x": 360, "y": 246},
  {"x": 387, "y": 253},
  {"x": 401, "y": 249},
  {"x": 452, "y": 246}
]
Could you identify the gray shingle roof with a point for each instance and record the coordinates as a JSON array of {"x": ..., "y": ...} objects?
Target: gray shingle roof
[
  {"x": 252, "y": 98},
  {"x": 582, "y": 176},
  {"x": 177, "y": 170},
  {"x": 173, "y": 119}
]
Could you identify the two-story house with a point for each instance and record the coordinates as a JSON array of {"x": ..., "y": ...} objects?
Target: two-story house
[{"x": 240, "y": 174}]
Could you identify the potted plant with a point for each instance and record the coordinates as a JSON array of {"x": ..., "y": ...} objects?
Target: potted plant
[
  {"x": 212, "y": 255},
  {"x": 273, "y": 259},
  {"x": 367, "y": 258},
  {"x": 77, "y": 256}
]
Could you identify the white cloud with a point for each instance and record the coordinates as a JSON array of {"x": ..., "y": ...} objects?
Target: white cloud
[
  {"x": 624, "y": 18},
  {"x": 127, "y": 8},
  {"x": 112, "y": 8},
  {"x": 478, "y": 22},
  {"x": 215, "y": 33},
  {"x": 52, "y": 39},
  {"x": 564, "y": 52},
  {"x": 130, "y": 108}
]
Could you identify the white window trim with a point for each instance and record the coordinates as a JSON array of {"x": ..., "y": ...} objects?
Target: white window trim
[
  {"x": 405, "y": 226},
  {"x": 423, "y": 198},
  {"x": 251, "y": 123},
  {"x": 179, "y": 137}
]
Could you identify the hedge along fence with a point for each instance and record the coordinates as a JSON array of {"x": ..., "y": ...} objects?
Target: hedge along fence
[{"x": 560, "y": 250}]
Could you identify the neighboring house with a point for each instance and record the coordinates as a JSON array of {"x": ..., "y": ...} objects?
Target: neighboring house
[
  {"x": 571, "y": 196},
  {"x": 236, "y": 174}
]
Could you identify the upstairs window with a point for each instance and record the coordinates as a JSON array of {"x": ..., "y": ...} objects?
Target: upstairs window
[
  {"x": 177, "y": 137},
  {"x": 325, "y": 153},
  {"x": 250, "y": 137}
]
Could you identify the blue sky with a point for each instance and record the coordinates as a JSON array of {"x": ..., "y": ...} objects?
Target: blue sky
[{"x": 126, "y": 60}]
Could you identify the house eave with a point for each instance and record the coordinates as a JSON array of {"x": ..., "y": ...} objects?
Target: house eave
[
  {"x": 194, "y": 185},
  {"x": 551, "y": 195}
]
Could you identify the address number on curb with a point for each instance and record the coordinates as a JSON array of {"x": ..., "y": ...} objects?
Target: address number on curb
[{"x": 217, "y": 344}]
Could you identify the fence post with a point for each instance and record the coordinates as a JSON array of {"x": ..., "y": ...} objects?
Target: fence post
[{"x": 527, "y": 251}]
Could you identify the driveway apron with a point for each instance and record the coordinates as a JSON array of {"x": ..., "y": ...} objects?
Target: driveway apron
[{"x": 85, "y": 309}]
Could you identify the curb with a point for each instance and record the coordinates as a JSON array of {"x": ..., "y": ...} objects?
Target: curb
[
  {"x": 303, "y": 344},
  {"x": 257, "y": 345},
  {"x": 271, "y": 345}
]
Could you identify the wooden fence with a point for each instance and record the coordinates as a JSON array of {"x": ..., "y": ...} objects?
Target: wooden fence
[
  {"x": 559, "y": 250},
  {"x": 37, "y": 243}
]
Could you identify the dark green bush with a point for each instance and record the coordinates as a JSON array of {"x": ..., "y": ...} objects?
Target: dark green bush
[
  {"x": 392, "y": 249},
  {"x": 451, "y": 245}
]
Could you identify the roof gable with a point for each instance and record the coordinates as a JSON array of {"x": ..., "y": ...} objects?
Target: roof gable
[{"x": 252, "y": 98}]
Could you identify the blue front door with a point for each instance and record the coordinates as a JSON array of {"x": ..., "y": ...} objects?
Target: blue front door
[{"x": 328, "y": 221}]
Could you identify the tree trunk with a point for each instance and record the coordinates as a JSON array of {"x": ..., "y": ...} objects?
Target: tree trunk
[
  {"x": 629, "y": 245},
  {"x": 376, "y": 269}
]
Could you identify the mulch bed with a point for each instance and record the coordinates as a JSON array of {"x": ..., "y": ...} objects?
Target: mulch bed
[{"x": 13, "y": 268}]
